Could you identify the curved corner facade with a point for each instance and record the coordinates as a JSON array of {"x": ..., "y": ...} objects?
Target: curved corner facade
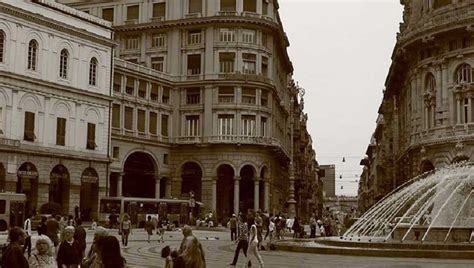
[{"x": 426, "y": 118}]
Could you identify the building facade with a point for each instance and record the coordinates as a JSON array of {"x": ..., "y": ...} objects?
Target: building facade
[
  {"x": 426, "y": 115},
  {"x": 328, "y": 177},
  {"x": 55, "y": 70},
  {"x": 203, "y": 102}
]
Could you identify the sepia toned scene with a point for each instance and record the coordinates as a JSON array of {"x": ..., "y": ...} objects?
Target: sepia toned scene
[{"x": 223, "y": 133}]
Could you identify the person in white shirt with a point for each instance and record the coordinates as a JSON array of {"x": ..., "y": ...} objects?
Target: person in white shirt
[
  {"x": 271, "y": 228},
  {"x": 27, "y": 228}
]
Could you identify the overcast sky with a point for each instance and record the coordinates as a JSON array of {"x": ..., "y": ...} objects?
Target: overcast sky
[{"x": 341, "y": 54}]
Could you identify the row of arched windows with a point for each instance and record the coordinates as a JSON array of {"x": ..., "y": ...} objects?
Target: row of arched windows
[
  {"x": 64, "y": 60},
  {"x": 463, "y": 74}
]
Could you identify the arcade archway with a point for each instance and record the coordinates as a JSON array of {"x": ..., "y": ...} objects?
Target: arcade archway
[
  {"x": 247, "y": 184},
  {"x": 59, "y": 187},
  {"x": 27, "y": 183},
  {"x": 89, "y": 194},
  {"x": 139, "y": 177},
  {"x": 191, "y": 175},
  {"x": 225, "y": 193}
]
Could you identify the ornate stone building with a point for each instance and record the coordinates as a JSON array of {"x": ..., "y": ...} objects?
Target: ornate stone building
[
  {"x": 55, "y": 70},
  {"x": 204, "y": 102},
  {"x": 426, "y": 119}
]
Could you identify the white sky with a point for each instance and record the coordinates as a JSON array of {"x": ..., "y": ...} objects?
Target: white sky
[{"x": 341, "y": 52}]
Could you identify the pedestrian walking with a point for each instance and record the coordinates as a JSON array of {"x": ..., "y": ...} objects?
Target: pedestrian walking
[
  {"x": 88, "y": 261},
  {"x": 296, "y": 228},
  {"x": 13, "y": 254},
  {"x": 52, "y": 229},
  {"x": 242, "y": 241},
  {"x": 108, "y": 253},
  {"x": 80, "y": 236},
  {"x": 160, "y": 231},
  {"x": 253, "y": 250},
  {"x": 192, "y": 256},
  {"x": 233, "y": 227},
  {"x": 27, "y": 228},
  {"x": 62, "y": 225},
  {"x": 71, "y": 221},
  {"x": 69, "y": 252},
  {"x": 271, "y": 229},
  {"x": 149, "y": 228},
  {"x": 43, "y": 258},
  {"x": 125, "y": 229},
  {"x": 259, "y": 224},
  {"x": 312, "y": 226}
]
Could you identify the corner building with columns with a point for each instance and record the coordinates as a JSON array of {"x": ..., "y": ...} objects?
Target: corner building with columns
[{"x": 202, "y": 102}]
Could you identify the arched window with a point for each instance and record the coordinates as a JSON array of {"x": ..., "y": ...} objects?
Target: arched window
[
  {"x": 430, "y": 82},
  {"x": 32, "y": 55},
  {"x": 93, "y": 72},
  {"x": 463, "y": 74},
  {"x": 63, "y": 61},
  {"x": 2, "y": 45}
]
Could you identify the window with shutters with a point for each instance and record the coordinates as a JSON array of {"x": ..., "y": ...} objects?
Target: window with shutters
[
  {"x": 153, "y": 123},
  {"x": 2, "y": 46},
  {"x": 249, "y": 63},
  {"x": 227, "y": 35},
  {"x": 193, "y": 96},
  {"x": 192, "y": 126},
  {"x": 265, "y": 66},
  {"x": 226, "y": 124},
  {"x": 226, "y": 62},
  {"x": 108, "y": 14},
  {"x": 116, "y": 115},
  {"x": 194, "y": 64},
  {"x": 128, "y": 120},
  {"x": 157, "y": 63},
  {"x": 248, "y": 125},
  {"x": 164, "y": 125},
  {"x": 93, "y": 72},
  {"x": 250, "y": 5},
  {"x": 91, "y": 145},
  {"x": 141, "y": 121},
  {"x": 132, "y": 42},
  {"x": 226, "y": 95},
  {"x": 133, "y": 12},
  {"x": 29, "y": 133},
  {"x": 195, "y": 6},
  {"x": 166, "y": 95},
  {"x": 248, "y": 95},
  {"x": 194, "y": 37},
  {"x": 263, "y": 126},
  {"x": 159, "y": 10},
  {"x": 248, "y": 36},
  {"x": 32, "y": 55},
  {"x": 228, "y": 5},
  {"x": 158, "y": 40},
  {"x": 154, "y": 92},
  {"x": 61, "y": 131}
]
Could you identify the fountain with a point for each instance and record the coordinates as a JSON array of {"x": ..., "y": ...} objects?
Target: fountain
[{"x": 429, "y": 215}]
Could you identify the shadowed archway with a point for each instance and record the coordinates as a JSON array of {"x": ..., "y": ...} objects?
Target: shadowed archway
[
  {"x": 139, "y": 177},
  {"x": 225, "y": 193}
]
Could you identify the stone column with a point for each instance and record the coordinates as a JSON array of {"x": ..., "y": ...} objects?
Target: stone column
[
  {"x": 168, "y": 188},
  {"x": 469, "y": 109},
  {"x": 266, "y": 195},
  {"x": 458, "y": 110},
  {"x": 256, "y": 191},
  {"x": 119, "y": 183},
  {"x": 426, "y": 117},
  {"x": 236, "y": 194},
  {"x": 214, "y": 194},
  {"x": 157, "y": 186}
]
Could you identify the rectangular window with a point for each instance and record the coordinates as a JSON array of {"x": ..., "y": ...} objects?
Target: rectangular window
[
  {"x": 142, "y": 89},
  {"x": 249, "y": 62},
  {"x": 164, "y": 125},
  {"x": 116, "y": 116},
  {"x": 108, "y": 14},
  {"x": 265, "y": 66},
  {"x": 248, "y": 95},
  {"x": 226, "y": 62},
  {"x": 192, "y": 125},
  {"x": 193, "y": 96},
  {"x": 248, "y": 36},
  {"x": 29, "y": 134},
  {"x": 166, "y": 160},
  {"x": 226, "y": 95},
  {"x": 130, "y": 87},
  {"x": 159, "y": 10},
  {"x": 248, "y": 125},
  {"x": 265, "y": 38},
  {"x": 2, "y": 41},
  {"x": 158, "y": 40},
  {"x": 157, "y": 63},
  {"x": 61, "y": 131},
  {"x": 115, "y": 152},
  {"x": 264, "y": 98},
  {"x": 132, "y": 42},
  {"x": 264, "y": 7},
  {"x": 141, "y": 121},
  {"x": 133, "y": 12},
  {"x": 154, "y": 92},
  {"x": 194, "y": 37},
  {"x": 117, "y": 82},
  {"x": 166, "y": 95},
  {"x": 128, "y": 124},
  {"x": 227, "y": 35},
  {"x": 91, "y": 145},
  {"x": 250, "y": 5},
  {"x": 194, "y": 64},
  {"x": 195, "y": 6},
  {"x": 228, "y": 5},
  {"x": 153, "y": 123},
  {"x": 226, "y": 125},
  {"x": 263, "y": 126}
]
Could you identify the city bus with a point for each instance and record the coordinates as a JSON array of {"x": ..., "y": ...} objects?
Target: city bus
[
  {"x": 12, "y": 210},
  {"x": 177, "y": 211}
]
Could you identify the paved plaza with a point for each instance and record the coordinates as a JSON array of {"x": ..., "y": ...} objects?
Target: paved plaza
[{"x": 219, "y": 252}]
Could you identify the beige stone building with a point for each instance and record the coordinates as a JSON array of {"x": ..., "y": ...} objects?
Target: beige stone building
[
  {"x": 426, "y": 118},
  {"x": 203, "y": 101}
]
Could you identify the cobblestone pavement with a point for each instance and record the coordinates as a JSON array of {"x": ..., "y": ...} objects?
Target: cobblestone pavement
[{"x": 219, "y": 252}]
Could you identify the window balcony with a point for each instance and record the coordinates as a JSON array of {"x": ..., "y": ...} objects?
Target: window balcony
[
  {"x": 227, "y": 13},
  {"x": 226, "y": 99},
  {"x": 157, "y": 19},
  {"x": 131, "y": 22},
  {"x": 193, "y": 15},
  {"x": 248, "y": 100},
  {"x": 250, "y": 14},
  {"x": 189, "y": 139}
]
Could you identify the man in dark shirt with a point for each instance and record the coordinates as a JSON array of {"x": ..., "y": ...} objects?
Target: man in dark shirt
[
  {"x": 13, "y": 254},
  {"x": 242, "y": 240},
  {"x": 233, "y": 227},
  {"x": 80, "y": 237},
  {"x": 69, "y": 252}
]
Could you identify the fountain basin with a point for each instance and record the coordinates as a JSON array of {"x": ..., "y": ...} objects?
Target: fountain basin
[{"x": 436, "y": 234}]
